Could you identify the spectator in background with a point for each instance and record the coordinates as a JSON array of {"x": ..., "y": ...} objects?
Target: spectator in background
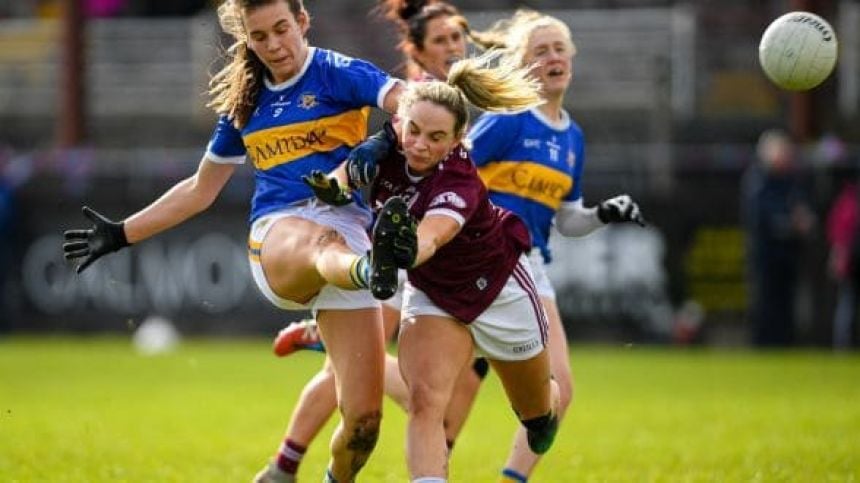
[
  {"x": 843, "y": 265},
  {"x": 777, "y": 217}
]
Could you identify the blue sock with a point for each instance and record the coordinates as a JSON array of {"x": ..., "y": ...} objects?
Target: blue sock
[{"x": 512, "y": 475}]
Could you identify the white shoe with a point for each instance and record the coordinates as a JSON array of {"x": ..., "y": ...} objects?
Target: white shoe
[{"x": 272, "y": 474}]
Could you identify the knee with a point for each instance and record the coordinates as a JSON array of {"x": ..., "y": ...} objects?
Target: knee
[
  {"x": 425, "y": 402},
  {"x": 565, "y": 394}
]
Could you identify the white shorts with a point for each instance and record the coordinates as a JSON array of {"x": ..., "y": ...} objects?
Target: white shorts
[
  {"x": 350, "y": 221},
  {"x": 544, "y": 286},
  {"x": 513, "y": 328},
  {"x": 396, "y": 300}
]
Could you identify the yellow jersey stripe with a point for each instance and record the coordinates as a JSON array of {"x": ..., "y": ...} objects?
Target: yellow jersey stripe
[
  {"x": 279, "y": 145},
  {"x": 528, "y": 180}
]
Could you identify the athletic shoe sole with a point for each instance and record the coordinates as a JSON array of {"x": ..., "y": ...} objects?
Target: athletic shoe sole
[{"x": 383, "y": 277}]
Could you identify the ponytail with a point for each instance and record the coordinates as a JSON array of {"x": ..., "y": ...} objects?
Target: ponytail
[
  {"x": 504, "y": 87},
  {"x": 500, "y": 88}
]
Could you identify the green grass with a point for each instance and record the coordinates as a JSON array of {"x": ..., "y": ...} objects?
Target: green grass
[{"x": 91, "y": 410}]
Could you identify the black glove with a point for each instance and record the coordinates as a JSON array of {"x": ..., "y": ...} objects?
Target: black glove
[
  {"x": 362, "y": 163},
  {"x": 327, "y": 188},
  {"x": 104, "y": 237},
  {"x": 620, "y": 209}
]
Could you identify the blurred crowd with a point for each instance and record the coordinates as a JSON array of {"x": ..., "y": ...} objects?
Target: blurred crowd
[
  {"x": 106, "y": 8},
  {"x": 779, "y": 219}
]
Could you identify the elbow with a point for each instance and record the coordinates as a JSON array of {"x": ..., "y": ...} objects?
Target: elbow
[
  {"x": 572, "y": 231},
  {"x": 578, "y": 227},
  {"x": 200, "y": 198},
  {"x": 204, "y": 201}
]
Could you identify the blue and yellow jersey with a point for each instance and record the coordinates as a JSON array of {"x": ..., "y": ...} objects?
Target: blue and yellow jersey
[
  {"x": 529, "y": 165},
  {"x": 308, "y": 122}
]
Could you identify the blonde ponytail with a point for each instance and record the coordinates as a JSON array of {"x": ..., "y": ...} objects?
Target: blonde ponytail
[
  {"x": 503, "y": 87},
  {"x": 499, "y": 88}
]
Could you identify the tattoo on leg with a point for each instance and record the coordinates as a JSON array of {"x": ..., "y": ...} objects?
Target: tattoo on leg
[
  {"x": 363, "y": 439},
  {"x": 328, "y": 237}
]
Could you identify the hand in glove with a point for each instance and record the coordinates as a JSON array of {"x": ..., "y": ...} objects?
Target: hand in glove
[
  {"x": 104, "y": 237},
  {"x": 620, "y": 209},
  {"x": 327, "y": 188},
  {"x": 362, "y": 163}
]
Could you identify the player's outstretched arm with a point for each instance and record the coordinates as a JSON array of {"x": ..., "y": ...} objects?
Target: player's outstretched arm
[
  {"x": 574, "y": 219},
  {"x": 184, "y": 200}
]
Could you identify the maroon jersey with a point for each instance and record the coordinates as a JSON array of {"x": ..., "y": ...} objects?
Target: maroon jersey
[{"x": 466, "y": 274}]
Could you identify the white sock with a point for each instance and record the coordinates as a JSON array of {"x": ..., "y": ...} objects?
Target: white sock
[{"x": 430, "y": 479}]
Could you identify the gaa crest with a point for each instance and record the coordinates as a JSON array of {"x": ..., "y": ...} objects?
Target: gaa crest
[{"x": 307, "y": 100}]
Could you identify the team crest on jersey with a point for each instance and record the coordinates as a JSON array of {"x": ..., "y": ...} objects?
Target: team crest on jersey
[
  {"x": 481, "y": 283},
  {"x": 308, "y": 100},
  {"x": 571, "y": 159},
  {"x": 448, "y": 198}
]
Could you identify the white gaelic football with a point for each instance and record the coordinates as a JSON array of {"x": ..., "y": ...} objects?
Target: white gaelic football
[{"x": 798, "y": 51}]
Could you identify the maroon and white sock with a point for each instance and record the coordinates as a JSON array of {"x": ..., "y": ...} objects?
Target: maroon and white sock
[{"x": 289, "y": 456}]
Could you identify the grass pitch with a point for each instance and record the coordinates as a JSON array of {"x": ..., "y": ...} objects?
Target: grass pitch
[{"x": 92, "y": 410}]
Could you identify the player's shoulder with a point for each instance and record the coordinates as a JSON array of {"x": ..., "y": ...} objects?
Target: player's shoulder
[
  {"x": 332, "y": 60},
  {"x": 458, "y": 162},
  {"x": 457, "y": 169},
  {"x": 507, "y": 120}
]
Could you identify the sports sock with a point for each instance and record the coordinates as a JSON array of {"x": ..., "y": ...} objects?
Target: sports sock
[
  {"x": 512, "y": 476},
  {"x": 329, "y": 478},
  {"x": 359, "y": 271},
  {"x": 289, "y": 456},
  {"x": 430, "y": 479}
]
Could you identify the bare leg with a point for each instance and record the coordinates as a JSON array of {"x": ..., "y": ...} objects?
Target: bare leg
[
  {"x": 318, "y": 400},
  {"x": 521, "y": 458},
  {"x": 433, "y": 350},
  {"x": 395, "y": 388},
  {"x": 465, "y": 391},
  {"x": 528, "y": 385},
  {"x": 299, "y": 257},
  {"x": 354, "y": 342}
]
